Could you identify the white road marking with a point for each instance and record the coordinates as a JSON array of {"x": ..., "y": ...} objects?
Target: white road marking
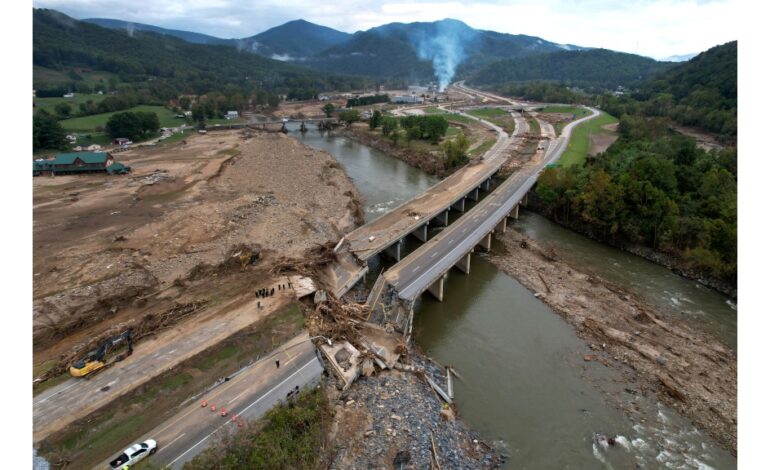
[
  {"x": 242, "y": 411},
  {"x": 168, "y": 444},
  {"x": 56, "y": 393}
]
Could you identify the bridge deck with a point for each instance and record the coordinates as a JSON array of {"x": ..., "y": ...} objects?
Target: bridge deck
[
  {"x": 412, "y": 214},
  {"x": 415, "y": 273}
]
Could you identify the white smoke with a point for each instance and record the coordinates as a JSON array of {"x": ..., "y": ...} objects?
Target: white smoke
[
  {"x": 130, "y": 28},
  {"x": 445, "y": 49}
]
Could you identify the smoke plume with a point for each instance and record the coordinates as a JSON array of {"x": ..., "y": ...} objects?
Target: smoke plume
[{"x": 445, "y": 48}]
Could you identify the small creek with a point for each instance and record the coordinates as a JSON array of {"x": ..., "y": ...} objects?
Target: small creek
[{"x": 525, "y": 383}]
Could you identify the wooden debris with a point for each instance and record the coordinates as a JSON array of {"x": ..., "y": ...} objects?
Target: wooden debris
[{"x": 435, "y": 452}]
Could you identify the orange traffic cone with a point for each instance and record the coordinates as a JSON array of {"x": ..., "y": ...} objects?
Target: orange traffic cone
[
  {"x": 213, "y": 407},
  {"x": 224, "y": 412},
  {"x": 204, "y": 404},
  {"x": 235, "y": 418}
]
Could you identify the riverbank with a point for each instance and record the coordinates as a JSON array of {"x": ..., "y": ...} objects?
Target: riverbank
[
  {"x": 683, "y": 367},
  {"x": 667, "y": 260},
  {"x": 431, "y": 163}
]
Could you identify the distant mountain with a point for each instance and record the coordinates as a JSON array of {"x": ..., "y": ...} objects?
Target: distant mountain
[
  {"x": 165, "y": 63},
  {"x": 679, "y": 58},
  {"x": 129, "y": 27},
  {"x": 422, "y": 51},
  {"x": 596, "y": 68},
  {"x": 294, "y": 40}
]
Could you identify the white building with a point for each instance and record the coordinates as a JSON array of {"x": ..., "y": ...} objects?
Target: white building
[
  {"x": 69, "y": 95},
  {"x": 231, "y": 115},
  {"x": 413, "y": 99}
]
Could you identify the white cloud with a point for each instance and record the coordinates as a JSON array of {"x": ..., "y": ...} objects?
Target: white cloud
[{"x": 655, "y": 28}]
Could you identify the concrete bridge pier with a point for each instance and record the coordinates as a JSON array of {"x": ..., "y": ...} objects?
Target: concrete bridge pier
[
  {"x": 459, "y": 205},
  {"x": 486, "y": 184},
  {"x": 486, "y": 242},
  {"x": 514, "y": 213},
  {"x": 473, "y": 195},
  {"x": 396, "y": 250},
  {"x": 502, "y": 226},
  {"x": 437, "y": 288},
  {"x": 421, "y": 232},
  {"x": 441, "y": 219},
  {"x": 464, "y": 264},
  {"x": 524, "y": 200}
]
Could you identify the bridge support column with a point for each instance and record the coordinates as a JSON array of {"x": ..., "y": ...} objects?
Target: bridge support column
[
  {"x": 459, "y": 205},
  {"x": 514, "y": 213},
  {"x": 486, "y": 242},
  {"x": 395, "y": 250},
  {"x": 524, "y": 200},
  {"x": 441, "y": 219},
  {"x": 437, "y": 288},
  {"x": 421, "y": 232},
  {"x": 473, "y": 195},
  {"x": 500, "y": 228},
  {"x": 486, "y": 185},
  {"x": 464, "y": 264}
]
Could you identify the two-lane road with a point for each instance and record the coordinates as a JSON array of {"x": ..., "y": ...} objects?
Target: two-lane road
[
  {"x": 248, "y": 395},
  {"x": 416, "y": 272}
]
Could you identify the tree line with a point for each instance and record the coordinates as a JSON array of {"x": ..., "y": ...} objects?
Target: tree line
[
  {"x": 367, "y": 100},
  {"x": 653, "y": 188}
]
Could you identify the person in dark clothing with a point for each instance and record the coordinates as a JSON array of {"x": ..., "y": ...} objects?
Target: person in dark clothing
[{"x": 277, "y": 363}]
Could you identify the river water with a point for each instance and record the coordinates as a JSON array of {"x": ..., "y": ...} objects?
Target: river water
[{"x": 525, "y": 384}]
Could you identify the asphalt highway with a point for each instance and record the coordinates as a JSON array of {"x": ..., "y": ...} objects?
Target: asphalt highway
[
  {"x": 416, "y": 272},
  {"x": 246, "y": 396}
]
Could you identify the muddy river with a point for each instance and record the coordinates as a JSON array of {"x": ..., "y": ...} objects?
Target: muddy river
[{"x": 525, "y": 385}]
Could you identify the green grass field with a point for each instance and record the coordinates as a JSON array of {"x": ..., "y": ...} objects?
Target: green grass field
[
  {"x": 89, "y": 123},
  {"x": 577, "y": 111},
  {"x": 432, "y": 110},
  {"x": 459, "y": 118},
  {"x": 487, "y": 113},
  {"x": 482, "y": 149},
  {"x": 452, "y": 131},
  {"x": 43, "y": 77},
  {"x": 577, "y": 149},
  {"x": 49, "y": 103},
  {"x": 534, "y": 126}
]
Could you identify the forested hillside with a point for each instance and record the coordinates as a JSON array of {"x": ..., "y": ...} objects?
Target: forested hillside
[
  {"x": 702, "y": 93},
  {"x": 655, "y": 189},
  {"x": 166, "y": 64},
  {"x": 596, "y": 69}
]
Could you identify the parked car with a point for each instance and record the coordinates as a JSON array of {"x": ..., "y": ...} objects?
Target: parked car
[{"x": 134, "y": 454}]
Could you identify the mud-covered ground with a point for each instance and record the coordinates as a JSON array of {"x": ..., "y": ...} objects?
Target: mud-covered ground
[
  {"x": 110, "y": 249},
  {"x": 686, "y": 368}
]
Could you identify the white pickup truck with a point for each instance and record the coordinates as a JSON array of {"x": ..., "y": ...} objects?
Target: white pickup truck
[{"x": 134, "y": 454}]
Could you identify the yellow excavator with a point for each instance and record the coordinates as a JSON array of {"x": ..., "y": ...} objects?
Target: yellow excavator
[{"x": 105, "y": 355}]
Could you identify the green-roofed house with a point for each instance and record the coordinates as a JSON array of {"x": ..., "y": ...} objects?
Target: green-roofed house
[{"x": 76, "y": 163}]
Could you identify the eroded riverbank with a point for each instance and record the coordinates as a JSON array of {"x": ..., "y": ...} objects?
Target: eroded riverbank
[{"x": 686, "y": 368}]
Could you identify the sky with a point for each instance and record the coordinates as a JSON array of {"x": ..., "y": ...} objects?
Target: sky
[{"x": 654, "y": 28}]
